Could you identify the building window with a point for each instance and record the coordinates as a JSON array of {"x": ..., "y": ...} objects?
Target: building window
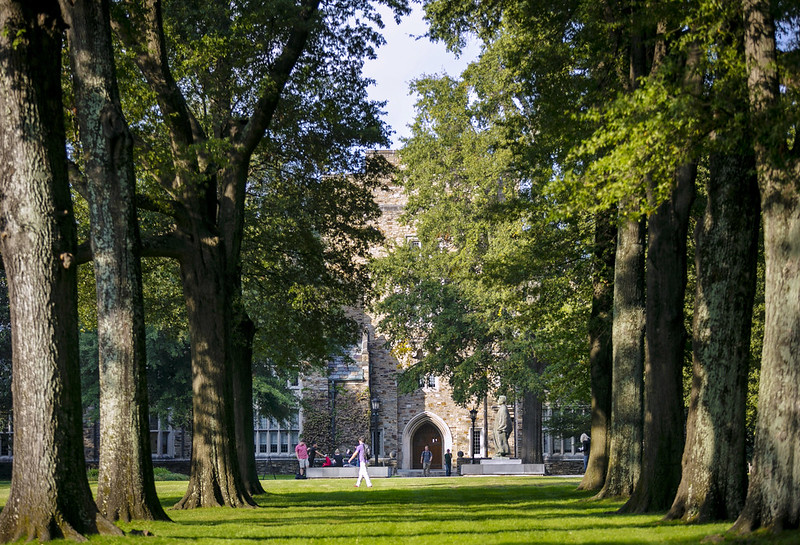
[
  {"x": 413, "y": 242},
  {"x": 7, "y": 438},
  {"x": 476, "y": 444},
  {"x": 161, "y": 434},
  {"x": 276, "y": 438},
  {"x": 427, "y": 382}
]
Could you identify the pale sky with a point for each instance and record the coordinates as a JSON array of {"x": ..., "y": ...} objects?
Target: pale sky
[{"x": 405, "y": 58}]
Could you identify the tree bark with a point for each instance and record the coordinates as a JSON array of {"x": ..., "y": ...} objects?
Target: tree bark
[
  {"x": 628, "y": 332},
  {"x": 714, "y": 478},
  {"x": 50, "y": 496},
  {"x": 666, "y": 339},
  {"x": 215, "y": 477},
  {"x": 126, "y": 489},
  {"x": 772, "y": 500},
  {"x": 601, "y": 350}
]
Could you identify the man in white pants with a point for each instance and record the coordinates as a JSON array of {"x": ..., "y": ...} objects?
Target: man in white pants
[{"x": 361, "y": 452}]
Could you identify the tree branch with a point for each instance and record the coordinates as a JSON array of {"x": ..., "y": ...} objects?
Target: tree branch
[
  {"x": 141, "y": 30},
  {"x": 171, "y": 244},
  {"x": 169, "y": 208},
  {"x": 281, "y": 70}
]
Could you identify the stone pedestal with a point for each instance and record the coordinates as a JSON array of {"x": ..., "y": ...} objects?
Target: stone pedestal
[{"x": 502, "y": 466}]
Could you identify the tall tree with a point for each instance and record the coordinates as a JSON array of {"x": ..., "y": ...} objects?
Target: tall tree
[
  {"x": 713, "y": 483},
  {"x": 126, "y": 489},
  {"x": 38, "y": 244},
  {"x": 772, "y": 500},
  {"x": 218, "y": 73}
]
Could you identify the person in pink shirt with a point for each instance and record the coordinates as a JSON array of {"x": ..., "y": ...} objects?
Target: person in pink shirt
[
  {"x": 301, "y": 451},
  {"x": 361, "y": 452}
]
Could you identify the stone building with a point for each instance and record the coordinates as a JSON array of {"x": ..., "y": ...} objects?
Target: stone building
[{"x": 404, "y": 423}]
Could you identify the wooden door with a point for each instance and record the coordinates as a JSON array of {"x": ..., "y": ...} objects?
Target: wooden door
[{"x": 427, "y": 434}]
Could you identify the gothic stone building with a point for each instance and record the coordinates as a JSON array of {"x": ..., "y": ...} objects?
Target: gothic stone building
[{"x": 405, "y": 423}]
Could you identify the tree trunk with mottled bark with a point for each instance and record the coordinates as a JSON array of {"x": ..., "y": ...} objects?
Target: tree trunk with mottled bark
[
  {"x": 601, "y": 350},
  {"x": 125, "y": 489},
  {"x": 628, "y": 332},
  {"x": 772, "y": 499},
  {"x": 714, "y": 478},
  {"x": 50, "y": 496}
]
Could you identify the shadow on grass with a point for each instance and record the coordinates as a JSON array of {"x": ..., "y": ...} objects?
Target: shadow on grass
[{"x": 436, "y": 510}]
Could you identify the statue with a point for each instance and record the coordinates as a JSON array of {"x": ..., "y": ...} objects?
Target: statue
[{"x": 502, "y": 428}]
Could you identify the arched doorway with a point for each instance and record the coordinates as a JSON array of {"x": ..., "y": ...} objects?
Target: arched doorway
[{"x": 427, "y": 434}]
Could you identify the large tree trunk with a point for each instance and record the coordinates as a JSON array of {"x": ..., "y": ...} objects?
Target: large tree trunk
[
  {"x": 126, "y": 489},
  {"x": 772, "y": 498},
  {"x": 50, "y": 496},
  {"x": 714, "y": 477},
  {"x": 601, "y": 350},
  {"x": 666, "y": 339},
  {"x": 530, "y": 447},
  {"x": 628, "y": 332},
  {"x": 215, "y": 478}
]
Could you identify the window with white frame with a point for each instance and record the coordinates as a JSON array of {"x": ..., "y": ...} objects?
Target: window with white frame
[
  {"x": 161, "y": 444},
  {"x": 427, "y": 382},
  {"x": 275, "y": 438},
  {"x": 413, "y": 242}
]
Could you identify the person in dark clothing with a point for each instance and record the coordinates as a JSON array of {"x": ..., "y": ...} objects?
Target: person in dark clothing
[
  {"x": 338, "y": 460},
  {"x": 312, "y": 454}
]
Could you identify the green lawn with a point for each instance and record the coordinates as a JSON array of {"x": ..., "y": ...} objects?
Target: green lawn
[{"x": 457, "y": 510}]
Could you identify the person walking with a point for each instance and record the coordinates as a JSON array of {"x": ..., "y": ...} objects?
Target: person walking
[
  {"x": 425, "y": 460},
  {"x": 448, "y": 463},
  {"x": 361, "y": 452},
  {"x": 301, "y": 451}
]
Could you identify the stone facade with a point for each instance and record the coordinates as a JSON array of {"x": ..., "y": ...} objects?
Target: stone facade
[{"x": 406, "y": 422}]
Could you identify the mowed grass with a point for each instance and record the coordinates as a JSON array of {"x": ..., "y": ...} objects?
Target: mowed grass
[{"x": 455, "y": 510}]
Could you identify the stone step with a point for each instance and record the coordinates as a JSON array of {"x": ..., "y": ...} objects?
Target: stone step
[{"x": 419, "y": 473}]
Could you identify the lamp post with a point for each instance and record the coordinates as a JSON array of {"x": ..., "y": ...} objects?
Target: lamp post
[
  {"x": 473, "y": 414},
  {"x": 376, "y": 406}
]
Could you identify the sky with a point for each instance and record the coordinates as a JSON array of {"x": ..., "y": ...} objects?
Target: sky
[{"x": 404, "y": 58}]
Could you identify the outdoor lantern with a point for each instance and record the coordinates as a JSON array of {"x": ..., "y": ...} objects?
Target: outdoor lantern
[
  {"x": 376, "y": 406},
  {"x": 473, "y": 414}
]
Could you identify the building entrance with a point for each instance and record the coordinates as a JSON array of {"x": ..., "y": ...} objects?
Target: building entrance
[{"x": 427, "y": 434}]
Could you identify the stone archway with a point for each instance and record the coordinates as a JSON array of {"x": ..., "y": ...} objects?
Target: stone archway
[{"x": 421, "y": 430}]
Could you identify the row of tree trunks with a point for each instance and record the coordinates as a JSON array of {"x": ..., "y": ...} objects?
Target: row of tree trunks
[
  {"x": 126, "y": 489},
  {"x": 50, "y": 495},
  {"x": 666, "y": 337},
  {"x": 600, "y": 349}
]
